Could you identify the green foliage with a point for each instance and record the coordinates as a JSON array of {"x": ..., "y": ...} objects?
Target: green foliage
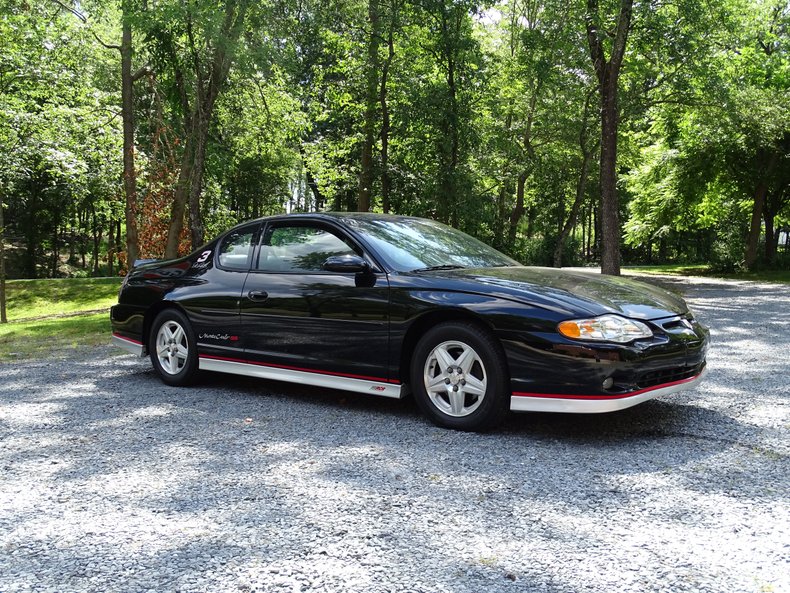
[
  {"x": 492, "y": 107},
  {"x": 59, "y": 169}
]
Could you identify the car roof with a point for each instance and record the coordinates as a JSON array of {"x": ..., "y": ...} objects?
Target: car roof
[{"x": 373, "y": 216}]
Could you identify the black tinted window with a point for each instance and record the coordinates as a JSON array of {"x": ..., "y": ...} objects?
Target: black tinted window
[
  {"x": 299, "y": 249},
  {"x": 235, "y": 249}
]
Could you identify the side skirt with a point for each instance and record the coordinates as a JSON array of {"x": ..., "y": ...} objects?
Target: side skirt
[
  {"x": 596, "y": 404},
  {"x": 127, "y": 344},
  {"x": 318, "y": 379}
]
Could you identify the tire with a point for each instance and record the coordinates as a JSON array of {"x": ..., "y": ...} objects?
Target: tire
[
  {"x": 173, "y": 348},
  {"x": 474, "y": 394}
]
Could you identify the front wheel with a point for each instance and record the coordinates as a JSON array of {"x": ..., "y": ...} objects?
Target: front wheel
[
  {"x": 173, "y": 348},
  {"x": 459, "y": 377}
]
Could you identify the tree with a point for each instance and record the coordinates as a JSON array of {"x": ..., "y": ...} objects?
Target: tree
[
  {"x": 372, "y": 76},
  {"x": 607, "y": 70},
  {"x": 212, "y": 56}
]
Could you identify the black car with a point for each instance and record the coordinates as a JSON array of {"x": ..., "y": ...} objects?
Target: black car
[{"x": 386, "y": 304}]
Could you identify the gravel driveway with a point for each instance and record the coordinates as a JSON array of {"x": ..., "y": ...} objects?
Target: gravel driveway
[{"x": 111, "y": 481}]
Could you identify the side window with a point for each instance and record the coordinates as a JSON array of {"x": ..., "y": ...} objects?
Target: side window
[
  {"x": 299, "y": 249},
  {"x": 235, "y": 249}
]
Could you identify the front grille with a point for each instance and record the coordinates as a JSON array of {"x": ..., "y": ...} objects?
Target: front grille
[{"x": 654, "y": 378}]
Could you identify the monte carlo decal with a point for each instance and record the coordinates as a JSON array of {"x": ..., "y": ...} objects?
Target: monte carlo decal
[{"x": 388, "y": 305}]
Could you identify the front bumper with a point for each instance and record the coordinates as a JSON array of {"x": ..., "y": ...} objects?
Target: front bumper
[
  {"x": 551, "y": 373},
  {"x": 596, "y": 404}
]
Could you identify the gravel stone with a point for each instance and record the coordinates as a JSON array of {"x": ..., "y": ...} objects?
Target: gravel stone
[{"x": 111, "y": 481}]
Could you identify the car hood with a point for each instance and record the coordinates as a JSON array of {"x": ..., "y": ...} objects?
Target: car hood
[{"x": 573, "y": 292}]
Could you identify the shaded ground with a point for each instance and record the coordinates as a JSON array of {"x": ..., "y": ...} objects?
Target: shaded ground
[{"x": 111, "y": 481}]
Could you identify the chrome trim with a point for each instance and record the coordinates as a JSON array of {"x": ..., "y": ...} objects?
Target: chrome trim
[
  {"x": 127, "y": 344},
  {"x": 292, "y": 376},
  {"x": 569, "y": 404}
]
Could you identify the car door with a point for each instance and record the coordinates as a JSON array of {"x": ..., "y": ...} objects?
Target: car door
[
  {"x": 297, "y": 316},
  {"x": 212, "y": 298}
]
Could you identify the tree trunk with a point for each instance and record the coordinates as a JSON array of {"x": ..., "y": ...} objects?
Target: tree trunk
[
  {"x": 386, "y": 181},
  {"x": 518, "y": 209},
  {"x": 774, "y": 202},
  {"x": 447, "y": 202},
  {"x": 3, "y": 317},
  {"x": 753, "y": 238},
  {"x": 311, "y": 183},
  {"x": 180, "y": 197},
  {"x": 771, "y": 237},
  {"x": 371, "y": 98},
  {"x": 111, "y": 249},
  {"x": 581, "y": 189},
  {"x": 452, "y": 196},
  {"x": 96, "y": 236},
  {"x": 610, "y": 205},
  {"x": 196, "y": 185},
  {"x": 608, "y": 74},
  {"x": 127, "y": 115}
]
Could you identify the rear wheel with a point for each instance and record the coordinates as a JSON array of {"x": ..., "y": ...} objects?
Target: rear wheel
[
  {"x": 173, "y": 348},
  {"x": 459, "y": 377}
]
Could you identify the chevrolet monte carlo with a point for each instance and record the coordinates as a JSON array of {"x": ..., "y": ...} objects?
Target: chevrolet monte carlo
[{"x": 388, "y": 305}]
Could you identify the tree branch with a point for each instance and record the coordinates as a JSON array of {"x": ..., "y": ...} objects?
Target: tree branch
[
  {"x": 594, "y": 41},
  {"x": 84, "y": 19},
  {"x": 73, "y": 11},
  {"x": 144, "y": 71},
  {"x": 621, "y": 36}
]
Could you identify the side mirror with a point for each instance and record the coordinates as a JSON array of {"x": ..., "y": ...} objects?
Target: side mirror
[{"x": 350, "y": 264}]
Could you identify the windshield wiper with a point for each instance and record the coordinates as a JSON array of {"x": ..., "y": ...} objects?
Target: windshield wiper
[{"x": 434, "y": 268}]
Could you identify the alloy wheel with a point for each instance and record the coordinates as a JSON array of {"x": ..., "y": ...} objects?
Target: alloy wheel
[
  {"x": 455, "y": 378},
  {"x": 172, "y": 347}
]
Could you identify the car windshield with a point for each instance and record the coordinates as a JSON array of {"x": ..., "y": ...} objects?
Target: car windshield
[{"x": 417, "y": 244}]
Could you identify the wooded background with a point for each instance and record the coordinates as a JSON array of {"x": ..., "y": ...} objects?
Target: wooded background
[{"x": 562, "y": 132}]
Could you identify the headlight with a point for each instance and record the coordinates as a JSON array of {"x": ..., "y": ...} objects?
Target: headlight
[{"x": 606, "y": 328}]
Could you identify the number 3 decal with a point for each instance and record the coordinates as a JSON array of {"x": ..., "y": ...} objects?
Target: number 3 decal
[{"x": 203, "y": 257}]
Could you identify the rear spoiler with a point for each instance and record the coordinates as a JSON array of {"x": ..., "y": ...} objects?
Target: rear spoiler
[{"x": 142, "y": 262}]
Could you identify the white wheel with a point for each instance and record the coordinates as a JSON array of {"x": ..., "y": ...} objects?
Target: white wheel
[
  {"x": 459, "y": 376},
  {"x": 172, "y": 347},
  {"x": 455, "y": 378}
]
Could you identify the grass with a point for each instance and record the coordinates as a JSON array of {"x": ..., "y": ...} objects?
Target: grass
[
  {"x": 780, "y": 276},
  {"x": 52, "y": 337},
  {"x": 53, "y": 317},
  {"x": 46, "y": 298}
]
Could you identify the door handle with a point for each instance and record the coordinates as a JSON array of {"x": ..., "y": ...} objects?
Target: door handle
[{"x": 258, "y": 295}]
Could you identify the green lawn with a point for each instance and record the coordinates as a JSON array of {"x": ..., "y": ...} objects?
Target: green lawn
[
  {"x": 45, "y": 298},
  {"x": 782, "y": 276},
  {"x": 52, "y": 317}
]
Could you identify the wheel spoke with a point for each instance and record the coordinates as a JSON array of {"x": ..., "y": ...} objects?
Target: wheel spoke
[
  {"x": 178, "y": 335},
  {"x": 444, "y": 358},
  {"x": 182, "y": 351},
  {"x": 456, "y": 402},
  {"x": 437, "y": 383},
  {"x": 474, "y": 386},
  {"x": 173, "y": 364},
  {"x": 466, "y": 360}
]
